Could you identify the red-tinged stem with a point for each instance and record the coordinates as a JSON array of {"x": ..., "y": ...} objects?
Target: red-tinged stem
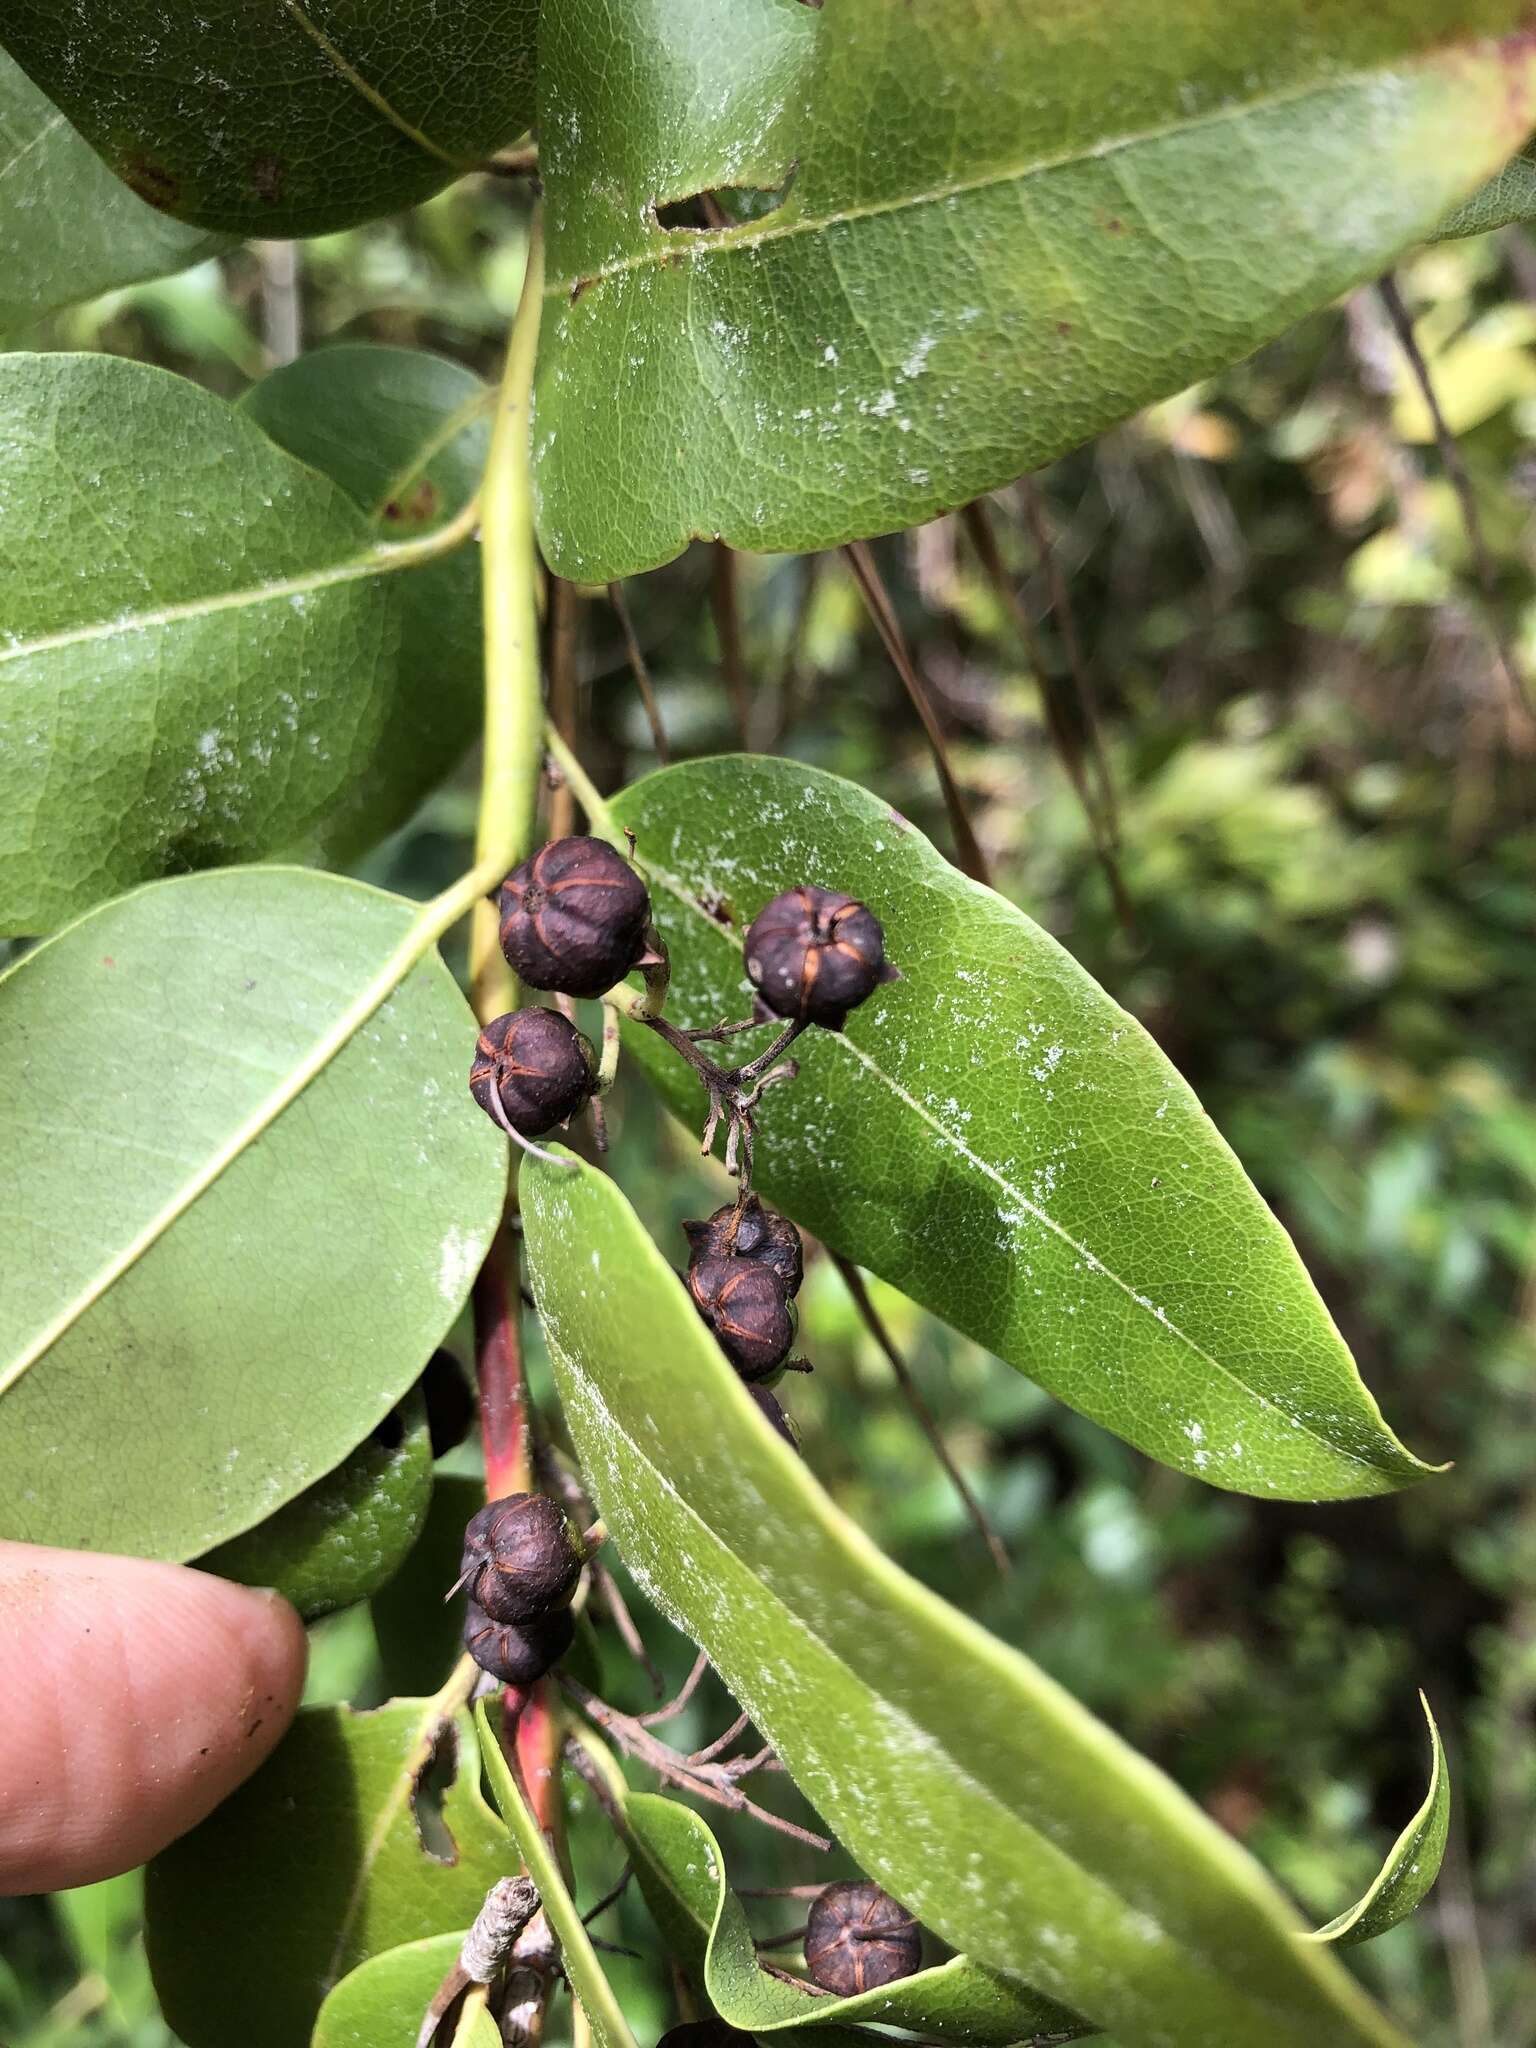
[{"x": 499, "y": 1370}]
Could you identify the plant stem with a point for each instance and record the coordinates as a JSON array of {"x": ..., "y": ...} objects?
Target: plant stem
[{"x": 599, "y": 816}]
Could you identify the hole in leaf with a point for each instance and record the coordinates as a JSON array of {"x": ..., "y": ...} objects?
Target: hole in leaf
[
  {"x": 433, "y": 1783},
  {"x": 722, "y": 206}
]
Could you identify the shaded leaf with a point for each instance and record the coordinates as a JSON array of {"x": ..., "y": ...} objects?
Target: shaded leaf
[
  {"x": 203, "y": 660},
  {"x": 996, "y": 1137},
  {"x": 380, "y": 2004},
  {"x": 682, "y": 1872},
  {"x": 345, "y": 1536},
  {"x": 578, "y": 1958},
  {"x": 284, "y": 120},
  {"x": 220, "y": 1357},
  {"x": 69, "y": 229},
  {"x": 1508, "y": 196},
  {"x": 1412, "y": 1864},
  {"x": 330, "y": 1854},
  {"x": 965, "y": 1781},
  {"x": 416, "y": 1629},
  {"x": 983, "y": 233}
]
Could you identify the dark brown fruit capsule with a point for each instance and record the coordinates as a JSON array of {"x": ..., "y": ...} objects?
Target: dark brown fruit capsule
[
  {"x": 815, "y": 955},
  {"x": 857, "y": 1938},
  {"x": 573, "y": 917},
  {"x": 517, "y": 1655},
  {"x": 746, "y": 1307},
  {"x": 542, "y": 1068},
  {"x": 522, "y": 1558},
  {"x": 773, "y": 1413},
  {"x": 746, "y": 1230}
]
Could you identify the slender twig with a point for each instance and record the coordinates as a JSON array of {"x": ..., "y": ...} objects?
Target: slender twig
[
  {"x": 922, "y": 1414},
  {"x": 711, "y": 1750},
  {"x": 780, "y": 1891},
  {"x": 1461, "y": 483},
  {"x": 795, "y": 1938},
  {"x": 725, "y": 603},
  {"x": 563, "y": 614},
  {"x": 1066, "y": 624},
  {"x": 599, "y": 816},
  {"x": 679, "y": 1700},
  {"x": 609, "y": 1898},
  {"x": 641, "y": 673},
  {"x": 282, "y": 301},
  {"x": 882, "y": 612},
  {"x": 618, "y": 1613}
]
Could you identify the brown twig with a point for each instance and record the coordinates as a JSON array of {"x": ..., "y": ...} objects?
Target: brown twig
[
  {"x": 562, "y": 642},
  {"x": 874, "y": 1322},
  {"x": 613, "y": 1600},
  {"x": 1461, "y": 483},
  {"x": 609, "y": 1898},
  {"x": 641, "y": 674},
  {"x": 499, "y": 1369},
  {"x": 969, "y": 856},
  {"x": 680, "y": 1699},
  {"x": 1072, "y": 646},
  {"x": 787, "y": 695},
  {"x": 725, "y": 604}
]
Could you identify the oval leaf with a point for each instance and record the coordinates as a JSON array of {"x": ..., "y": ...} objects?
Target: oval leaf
[
  {"x": 578, "y": 1958},
  {"x": 1508, "y": 196},
  {"x": 1412, "y": 1865},
  {"x": 996, "y": 1137},
  {"x": 682, "y": 1872},
  {"x": 958, "y": 1775},
  {"x": 344, "y": 1845},
  {"x": 1103, "y": 204},
  {"x": 69, "y": 229},
  {"x": 203, "y": 657},
  {"x": 346, "y": 1536},
  {"x": 294, "y": 119},
  {"x": 217, "y": 1359},
  {"x": 380, "y": 2004}
]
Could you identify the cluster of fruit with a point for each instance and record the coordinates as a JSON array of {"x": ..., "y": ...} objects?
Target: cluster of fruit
[{"x": 522, "y": 1560}]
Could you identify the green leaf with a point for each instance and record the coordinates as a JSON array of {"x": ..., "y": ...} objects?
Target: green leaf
[
  {"x": 1508, "y": 196},
  {"x": 996, "y": 1137},
  {"x": 218, "y": 1347},
  {"x": 335, "y": 1851},
  {"x": 69, "y": 229},
  {"x": 1412, "y": 1865},
  {"x": 205, "y": 657},
  {"x": 682, "y": 1872},
  {"x": 1001, "y": 229},
  {"x": 291, "y": 119},
  {"x": 346, "y": 1536},
  {"x": 958, "y": 1775},
  {"x": 578, "y": 1958},
  {"x": 380, "y": 2004}
]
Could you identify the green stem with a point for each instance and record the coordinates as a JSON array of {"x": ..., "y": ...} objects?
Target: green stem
[{"x": 599, "y": 816}]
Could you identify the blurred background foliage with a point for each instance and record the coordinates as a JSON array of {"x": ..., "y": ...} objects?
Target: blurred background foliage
[{"x": 1324, "y": 777}]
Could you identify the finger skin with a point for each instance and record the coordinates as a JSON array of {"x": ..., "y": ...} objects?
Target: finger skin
[{"x": 135, "y": 1697}]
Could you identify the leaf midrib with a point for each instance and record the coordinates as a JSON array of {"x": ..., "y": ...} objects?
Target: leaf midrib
[
  {"x": 346, "y": 70},
  {"x": 1015, "y": 1194},
  {"x": 755, "y": 234}
]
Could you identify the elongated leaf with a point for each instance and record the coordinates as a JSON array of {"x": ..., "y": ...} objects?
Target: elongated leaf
[
  {"x": 291, "y": 119},
  {"x": 1000, "y": 1140},
  {"x": 1412, "y": 1864},
  {"x": 68, "y": 228},
  {"x": 682, "y": 1871},
  {"x": 1508, "y": 196},
  {"x": 578, "y": 1958},
  {"x": 216, "y": 1359},
  {"x": 957, "y": 1774},
  {"x": 380, "y": 2004},
  {"x": 1001, "y": 228},
  {"x": 201, "y": 660},
  {"x": 344, "y": 1537},
  {"x": 334, "y": 1851}
]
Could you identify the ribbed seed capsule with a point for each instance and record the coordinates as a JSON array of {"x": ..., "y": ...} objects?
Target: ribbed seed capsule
[
  {"x": 746, "y": 1307},
  {"x": 857, "y": 1938},
  {"x": 747, "y": 1230},
  {"x": 542, "y": 1068},
  {"x": 574, "y": 917},
  {"x": 522, "y": 1558},
  {"x": 517, "y": 1655},
  {"x": 815, "y": 954}
]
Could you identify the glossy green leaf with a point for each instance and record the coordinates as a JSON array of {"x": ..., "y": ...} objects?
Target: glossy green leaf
[
  {"x": 996, "y": 1137},
  {"x": 68, "y": 228},
  {"x": 476, "y": 2029},
  {"x": 333, "y": 1852},
  {"x": 1001, "y": 228},
  {"x": 1508, "y": 196},
  {"x": 682, "y": 1872},
  {"x": 346, "y": 1536},
  {"x": 1017, "y": 1827},
  {"x": 216, "y": 1359},
  {"x": 291, "y": 119},
  {"x": 578, "y": 1958},
  {"x": 203, "y": 658},
  {"x": 1412, "y": 1864},
  {"x": 380, "y": 2004}
]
